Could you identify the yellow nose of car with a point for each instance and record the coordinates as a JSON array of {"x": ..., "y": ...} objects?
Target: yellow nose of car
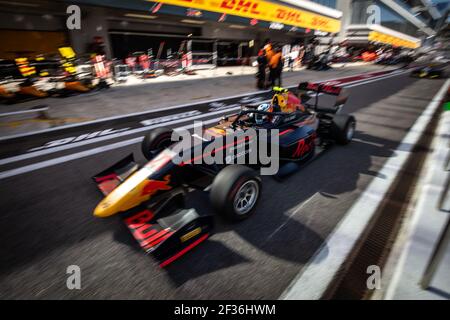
[
  {"x": 105, "y": 209},
  {"x": 126, "y": 196},
  {"x": 132, "y": 192}
]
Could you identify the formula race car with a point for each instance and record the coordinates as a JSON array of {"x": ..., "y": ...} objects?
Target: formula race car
[
  {"x": 431, "y": 71},
  {"x": 294, "y": 128}
]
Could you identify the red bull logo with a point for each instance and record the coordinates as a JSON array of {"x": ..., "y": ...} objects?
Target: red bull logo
[
  {"x": 154, "y": 186},
  {"x": 303, "y": 147}
]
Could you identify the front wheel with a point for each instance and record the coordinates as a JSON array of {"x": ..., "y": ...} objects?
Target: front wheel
[
  {"x": 235, "y": 192},
  {"x": 156, "y": 141}
]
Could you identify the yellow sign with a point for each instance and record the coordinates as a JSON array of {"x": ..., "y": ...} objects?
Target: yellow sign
[
  {"x": 24, "y": 67},
  {"x": 191, "y": 234},
  {"x": 67, "y": 52},
  {"x": 394, "y": 41},
  {"x": 263, "y": 10}
]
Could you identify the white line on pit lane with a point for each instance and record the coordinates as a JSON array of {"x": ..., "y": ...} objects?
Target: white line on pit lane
[
  {"x": 290, "y": 216},
  {"x": 14, "y": 113},
  {"x": 82, "y": 154},
  {"x": 394, "y": 74},
  {"x": 133, "y": 131},
  {"x": 315, "y": 278},
  {"x": 162, "y": 109},
  {"x": 108, "y": 137}
]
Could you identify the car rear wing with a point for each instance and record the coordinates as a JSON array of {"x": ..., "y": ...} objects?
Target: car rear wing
[{"x": 322, "y": 88}]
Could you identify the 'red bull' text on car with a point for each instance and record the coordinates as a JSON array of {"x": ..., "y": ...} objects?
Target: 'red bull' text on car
[{"x": 289, "y": 129}]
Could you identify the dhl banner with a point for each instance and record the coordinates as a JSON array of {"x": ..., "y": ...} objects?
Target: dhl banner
[
  {"x": 394, "y": 41},
  {"x": 263, "y": 10}
]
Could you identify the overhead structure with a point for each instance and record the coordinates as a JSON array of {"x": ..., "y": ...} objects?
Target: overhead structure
[
  {"x": 376, "y": 33},
  {"x": 270, "y": 12},
  {"x": 385, "y": 35},
  {"x": 315, "y": 7},
  {"x": 409, "y": 16},
  {"x": 431, "y": 9}
]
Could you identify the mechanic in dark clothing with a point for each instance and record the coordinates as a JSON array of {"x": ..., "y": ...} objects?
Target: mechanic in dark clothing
[{"x": 262, "y": 65}]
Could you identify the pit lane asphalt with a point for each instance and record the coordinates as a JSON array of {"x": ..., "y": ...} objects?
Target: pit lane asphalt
[{"x": 46, "y": 224}]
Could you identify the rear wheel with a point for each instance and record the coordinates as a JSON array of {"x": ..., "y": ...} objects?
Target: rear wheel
[
  {"x": 235, "y": 192},
  {"x": 343, "y": 128},
  {"x": 156, "y": 141}
]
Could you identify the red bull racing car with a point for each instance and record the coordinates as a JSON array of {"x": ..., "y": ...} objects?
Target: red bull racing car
[{"x": 150, "y": 198}]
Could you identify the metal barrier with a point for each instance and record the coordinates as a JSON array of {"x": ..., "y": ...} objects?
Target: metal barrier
[
  {"x": 203, "y": 53},
  {"x": 40, "y": 110}
]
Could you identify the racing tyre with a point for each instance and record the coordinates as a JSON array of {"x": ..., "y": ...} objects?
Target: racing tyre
[
  {"x": 235, "y": 192},
  {"x": 343, "y": 128},
  {"x": 156, "y": 141}
]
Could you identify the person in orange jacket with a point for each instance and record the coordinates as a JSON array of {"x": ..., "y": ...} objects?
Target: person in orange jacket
[
  {"x": 276, "y": 67},
  {"x": 268, "y": 49}
]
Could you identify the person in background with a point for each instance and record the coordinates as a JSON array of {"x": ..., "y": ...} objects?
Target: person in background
[
  {"x": 308, "y": 55},
  {"x": 301, "y": 54},
  {"x": 97, "y": 46},
  {"x": 262, "y": 65},
  {"x": 269, "y": 50},
  {"x": 293, "y": 55},
  {"x": 276, "y": 67}
]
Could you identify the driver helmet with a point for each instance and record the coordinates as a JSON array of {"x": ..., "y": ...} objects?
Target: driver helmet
[{"x": 262, "y": 118}]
